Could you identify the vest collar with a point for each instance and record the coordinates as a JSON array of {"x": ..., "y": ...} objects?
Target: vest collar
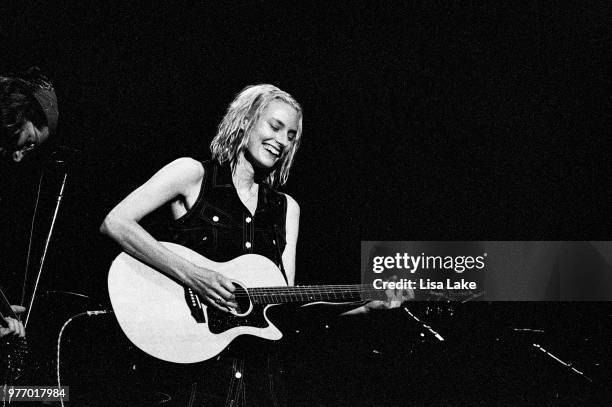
[{"x": 222, "y": 175}]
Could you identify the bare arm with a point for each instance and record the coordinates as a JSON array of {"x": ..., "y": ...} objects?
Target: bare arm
[
  {"x": 394, "y": 297},
  {"x": 178, "y": 179},
  {"x": 292, "y": 225}
]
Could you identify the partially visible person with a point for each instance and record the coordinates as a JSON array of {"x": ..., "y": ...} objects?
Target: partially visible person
[
  {"x": 14, "y": 327},
  {"x": 28, "y": 118},
  {"x": 28, "y": 113}
]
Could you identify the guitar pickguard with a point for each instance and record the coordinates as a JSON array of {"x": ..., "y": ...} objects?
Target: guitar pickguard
[{"x": 219, "y": 321}]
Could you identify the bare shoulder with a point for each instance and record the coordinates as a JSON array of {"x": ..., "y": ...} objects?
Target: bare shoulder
[
  {"x": 186, "y": 165},
  {"x": 185, "y": 170}
]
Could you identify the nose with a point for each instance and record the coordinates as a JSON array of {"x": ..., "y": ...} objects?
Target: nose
[{"x": 282, "y": 138}]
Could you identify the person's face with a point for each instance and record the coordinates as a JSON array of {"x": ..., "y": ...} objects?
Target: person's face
[
  {"x": 273, "y": 135},
  {"x": 29, "y": 137}
]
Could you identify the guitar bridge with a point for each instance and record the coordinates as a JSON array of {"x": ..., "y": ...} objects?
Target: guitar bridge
[{"x": 195, "y": 306}]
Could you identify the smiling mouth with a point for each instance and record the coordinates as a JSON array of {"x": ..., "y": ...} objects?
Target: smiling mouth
[{"x": 272, "y": 150}]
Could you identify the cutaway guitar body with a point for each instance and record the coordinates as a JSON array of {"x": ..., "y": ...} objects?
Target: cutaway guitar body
[{"x": 164, "y": 318}]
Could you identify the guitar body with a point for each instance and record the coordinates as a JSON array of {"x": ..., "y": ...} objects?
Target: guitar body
[{"x": 166, "y": 320}]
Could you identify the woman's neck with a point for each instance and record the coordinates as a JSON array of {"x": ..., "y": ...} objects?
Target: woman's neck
[{"x": 243, "y": 174}]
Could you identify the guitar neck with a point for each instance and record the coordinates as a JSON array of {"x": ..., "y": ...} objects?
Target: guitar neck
[{"x": 311, "y": 293}]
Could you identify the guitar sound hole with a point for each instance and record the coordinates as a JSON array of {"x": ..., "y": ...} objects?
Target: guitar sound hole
[{"x": 243, "y": 300}]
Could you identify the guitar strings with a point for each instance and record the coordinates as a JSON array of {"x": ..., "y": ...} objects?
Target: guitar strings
[{"x": 301, "y": 291}]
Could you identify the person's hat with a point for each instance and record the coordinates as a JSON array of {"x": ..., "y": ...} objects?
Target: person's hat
[{"x": 47, "y": 100}]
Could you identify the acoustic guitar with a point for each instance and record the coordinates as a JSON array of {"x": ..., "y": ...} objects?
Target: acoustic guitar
[{"x": 169, "y": 321}]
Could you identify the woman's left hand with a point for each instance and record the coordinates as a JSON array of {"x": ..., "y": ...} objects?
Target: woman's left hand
[{"x": 395, "y": 298}]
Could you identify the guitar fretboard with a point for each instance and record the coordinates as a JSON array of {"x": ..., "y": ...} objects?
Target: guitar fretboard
[{"x": 327, "y": 293}]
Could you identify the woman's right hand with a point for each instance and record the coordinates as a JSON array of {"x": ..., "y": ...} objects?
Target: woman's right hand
[
  {"x": 214, "y": 288},
  {"x": 181, "y": 178}
]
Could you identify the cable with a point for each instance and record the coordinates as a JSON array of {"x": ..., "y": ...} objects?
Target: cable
[
  {"x": 566, "y": 364},
  {"x": 429, "y": 328},
  {"x": 59, "y": 342}
]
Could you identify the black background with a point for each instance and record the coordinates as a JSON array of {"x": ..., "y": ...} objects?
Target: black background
[{"x": 422, "y": 121}]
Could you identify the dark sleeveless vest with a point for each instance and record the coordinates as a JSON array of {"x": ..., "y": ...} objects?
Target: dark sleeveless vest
[{"x": 220, "y": 227}]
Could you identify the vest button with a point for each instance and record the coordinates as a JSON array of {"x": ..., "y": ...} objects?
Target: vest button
[
  {"x": 215, "y": 218},
  {"x": 248, "y": 219},
  {"x": 247, "y": 245}
]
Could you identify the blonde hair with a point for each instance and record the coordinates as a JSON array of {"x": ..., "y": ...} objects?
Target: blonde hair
[{"x": 239, "y": 120}]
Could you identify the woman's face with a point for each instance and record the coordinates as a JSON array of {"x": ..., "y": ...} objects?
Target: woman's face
[{"x": 273, "y": 135}]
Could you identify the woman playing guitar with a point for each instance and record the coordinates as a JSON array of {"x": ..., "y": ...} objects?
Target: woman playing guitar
[{"x": 223, "y": 209}]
